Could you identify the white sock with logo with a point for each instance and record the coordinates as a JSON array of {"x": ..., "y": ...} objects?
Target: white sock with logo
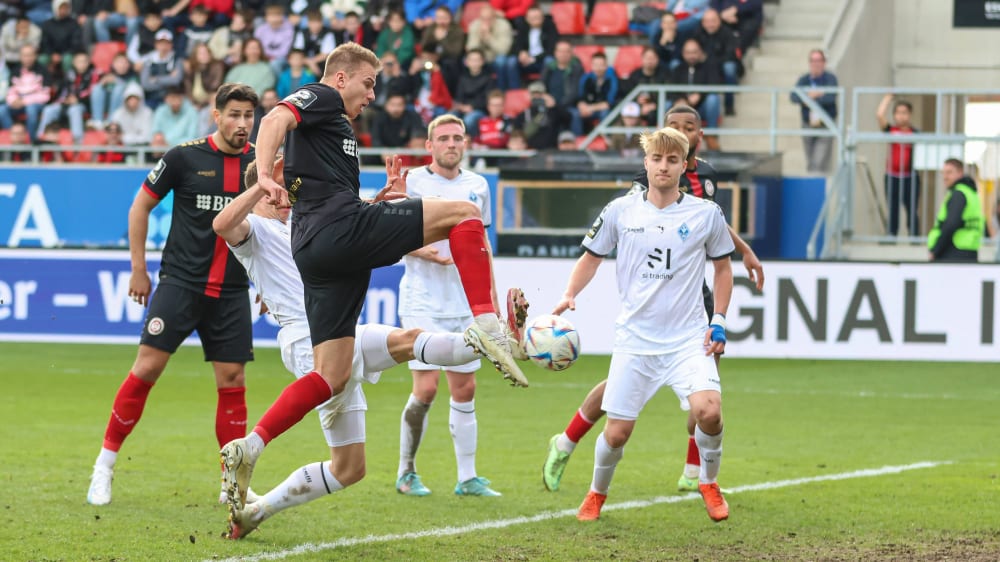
[
  {"x": 464, "y": 430},
  {"x": 710, "y": 449},
  {"x": 605, "y": 461},
  {"x": 307, "y": 483}
]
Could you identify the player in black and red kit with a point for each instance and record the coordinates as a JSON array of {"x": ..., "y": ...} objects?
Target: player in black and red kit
[
  {"x": 700, "y": 180},
  {"x": 202, "y": 286},
  {"x": 337, "y": 239}
]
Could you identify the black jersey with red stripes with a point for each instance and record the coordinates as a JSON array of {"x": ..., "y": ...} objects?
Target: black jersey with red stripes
[
  {"x": 702, "y": 181},
  {"x": 204, "y": 180}
]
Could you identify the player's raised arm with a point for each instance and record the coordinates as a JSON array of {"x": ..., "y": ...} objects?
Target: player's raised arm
[
  {"x": 583, "y": 272},
  {"x": 271, "y": 135}
]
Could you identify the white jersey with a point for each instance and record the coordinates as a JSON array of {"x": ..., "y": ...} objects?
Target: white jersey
[
  {"x": 660, "y": 267},
  {"x": 429, "y": 289}
]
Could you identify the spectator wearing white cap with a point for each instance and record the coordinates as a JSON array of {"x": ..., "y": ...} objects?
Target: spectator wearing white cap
[
  {"x": 628, "y": 143},
  {"x": 161, "y": 69},
  {"x": 567, "y": 141}
]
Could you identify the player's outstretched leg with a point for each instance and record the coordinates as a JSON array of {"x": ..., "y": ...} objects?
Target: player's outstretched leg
[
  {"x": 517, "y": 316},
  {"x": 562, "y": 445},
  {"x": 688, "y": 482},
  {"x": 488, "y": 338},
  {"x": 238, "y": 459}
]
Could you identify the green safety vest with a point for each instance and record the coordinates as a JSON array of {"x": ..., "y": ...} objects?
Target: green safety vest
[{"x": 970, "y": 234}]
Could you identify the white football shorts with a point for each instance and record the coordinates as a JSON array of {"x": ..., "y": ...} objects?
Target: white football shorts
[
  {"x": 429, "y": 324},
  {"x": 633, "y": 379}
]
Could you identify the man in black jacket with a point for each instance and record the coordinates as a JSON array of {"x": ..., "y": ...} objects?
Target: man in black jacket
[
  {"x": 722, "y": 49},
  {"x": 543, "y": 120},
  {"x": 61, "y": 35},
  {"x": 696, "y": 71},
  {"x": 474, "y": 85},
  {"x": 534, "y": 44}
]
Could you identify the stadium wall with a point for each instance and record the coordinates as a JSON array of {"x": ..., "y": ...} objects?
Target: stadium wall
[{"x": 809, "y": 310}]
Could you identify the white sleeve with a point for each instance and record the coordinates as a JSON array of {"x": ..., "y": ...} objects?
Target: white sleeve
[
  {"x": 486, "y": 207},
  {"x": 245, "y": 249},
  {"x": 719, "y": 243},
  {"x": 602, "y": 237}
]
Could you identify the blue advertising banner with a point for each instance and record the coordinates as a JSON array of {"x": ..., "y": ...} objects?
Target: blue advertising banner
[
  {"x": 82, "y": 296},
  {"x": 64, "y": 207}
]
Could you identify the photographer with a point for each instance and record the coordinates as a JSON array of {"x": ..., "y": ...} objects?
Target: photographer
[{"x": 543, "y": 119}]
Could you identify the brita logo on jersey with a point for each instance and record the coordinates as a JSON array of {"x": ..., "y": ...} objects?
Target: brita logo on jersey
[{"x": 212, "y": 202}]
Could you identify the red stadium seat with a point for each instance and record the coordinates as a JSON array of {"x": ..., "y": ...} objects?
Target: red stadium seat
[
  {"x": 597, "y": 144},
  {"x": 104, "y": 53},
  {"x": 569, "y": 18},
  {"x": 470, "y": 12},
  {"x": 90, "y": 138},
  {"x": 629, "y": 58},
  {"x": 515, "y": 102},
  {"x": 4, "y": 136},
  {"x": 609, "y": 18},
  {"x": 585, "y": 53}
]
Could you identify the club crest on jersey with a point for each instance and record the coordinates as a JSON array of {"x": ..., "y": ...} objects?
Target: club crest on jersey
[
  {"x": 684, "y": 232},
  {"x": 709, "y": 188},
  {"x": 301, "y": 98},
  {"x": 156, "y": 172},
  {"x": 155, "y": 326},
  {"x": 473, "y": 197}
]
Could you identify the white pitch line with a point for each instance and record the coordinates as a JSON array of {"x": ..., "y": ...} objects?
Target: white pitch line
[{"x": 312, "y": 548}]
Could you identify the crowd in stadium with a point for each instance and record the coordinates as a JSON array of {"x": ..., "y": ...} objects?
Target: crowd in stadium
[{"x": 144, "y": 72}]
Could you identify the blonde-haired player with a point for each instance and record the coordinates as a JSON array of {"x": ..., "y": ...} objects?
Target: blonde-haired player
[{"x": 662, "y": 335}]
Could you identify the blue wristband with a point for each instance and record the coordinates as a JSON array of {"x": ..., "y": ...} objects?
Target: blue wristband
[{"x": 718, "y": 327}]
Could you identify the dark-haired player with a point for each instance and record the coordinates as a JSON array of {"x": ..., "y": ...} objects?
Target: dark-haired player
[
  {"x": 699, "y": 179},
  {"x": 202, "y": 287}
]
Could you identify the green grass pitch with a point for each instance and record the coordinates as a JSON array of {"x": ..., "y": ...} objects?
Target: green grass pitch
[{"x": 784, "y": 420}]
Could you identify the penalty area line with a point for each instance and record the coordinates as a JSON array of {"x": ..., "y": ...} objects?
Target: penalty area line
[{"x": 312, "y": 548}]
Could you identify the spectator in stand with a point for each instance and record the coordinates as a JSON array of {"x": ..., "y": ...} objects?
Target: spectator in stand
[
  {"x": 542, "y": 120},
  {"x": 650, "y": 72},
  {"x": 695, "y": 72},
  {"x": 396, "y": 37},
  {"x": 296, "y": 75},
  {"x": 28, "y": 93},
  {"x": 562, "y": 75},
  {"x": 198, "y": 32},
  {"x": 268, "y": 99},
  {"x": 628, "y": 143},
  {"x": 226, "y": 43},
  {"x": 206, "y": 121},
  {"x": 818, "y": 149},
  {"x": 566, "y": 141},
  {"x": 220, "y": 12},
  {"x": 398, "y": 126},
  {"x": 161, "y": 69},
  {"x": 176, "y": 118},
  {"x": 373, "y": 20},
  {"x": 298, "y": 10},
  {"x": 447, "y": 40},
  {"x": 101, "y": 16},
  {"x": 144, "y": 41},
  {"x": 494, "y": 127},
  {"x": 512, "y": 10},
  {"x": 275, "y": 36},
  {"x": 902, "y": 182},
  {"x": 18, "y": 136},
  {"x": 517, "y": 141},
  {"x": 420, "y": 13},
  {"x": 37, "y": 10},
  {"x": 534, "y": 45},
  {"x": 350, "y": 30},
  {"x": 50, "y": 135},
  {"x": 253, "y": 71},
  {"x": 109, "y": 93},
  {"x": 203, "y": 74},
  {"x": 598, "y": 93},
  {"x": 958, "y": 228},
  {"x": 73, "y": 96},
  {"x": 113, "y": 137},
  {"x": 432, "y": 95},
  {"x": 721, "y": 48},
  {"x": 16, "y": 33},
  {"x": 134, "y": 116},
  {"x": 491, "y": 34},
  {"x": 744, "y": 17},
  {"x": 393, "y": 80},
  {"x": 474, "y": 85},
  {"x": 315, "y": 41},
  {"x": 689, "y": 14},
  {"x": 666, "y": 42},
  {"x": 61, "y": 35},
  {"x": 159, "y": 146}
]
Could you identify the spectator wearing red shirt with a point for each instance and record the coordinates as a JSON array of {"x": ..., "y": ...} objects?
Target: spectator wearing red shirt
[
  {"x": 512, "y": 9},
  {"x": 902, "y": 183},
  {"x": 494, "y": 127},
  {"x": 114, "y": 138}
]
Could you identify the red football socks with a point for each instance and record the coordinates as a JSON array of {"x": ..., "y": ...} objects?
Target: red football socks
[
  {"x": 693, "y": 457},
  {"x": 126, "y": 411},
  {"x": 472, "y": 259},
  {"x": 578, "y": 427},
  {"x": 294, "y": 403},
  {"x": 231, "y": 414}
]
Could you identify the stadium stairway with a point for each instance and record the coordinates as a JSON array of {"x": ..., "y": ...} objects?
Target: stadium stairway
[{"x": 791, "y": 29}]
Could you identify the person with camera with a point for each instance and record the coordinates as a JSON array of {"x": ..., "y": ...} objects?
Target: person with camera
[{"x": 543, "y": 119}]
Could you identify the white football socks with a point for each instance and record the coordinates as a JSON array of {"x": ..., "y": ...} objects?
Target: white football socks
[
  {"x": 710, "y": 449},
  {"x": 442, "y": 349},
  {"x": 412, "y": 425},
  {"x": 605, "y": 461},
  {"x": 564, "y": 444},
  {"x": 307, "y": 483},
  {"x": 255, "y": 446},
  {"x": 106, "y": 458},
  {"x": 464, "y": 429}
]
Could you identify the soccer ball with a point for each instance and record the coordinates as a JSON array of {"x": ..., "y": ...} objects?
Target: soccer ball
[{"x": 552, "y": 342}]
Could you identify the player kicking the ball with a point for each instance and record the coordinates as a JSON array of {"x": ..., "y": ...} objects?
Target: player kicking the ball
[
  {"x": 662, "y": 337},
  {"x": 258, "y": 235}
]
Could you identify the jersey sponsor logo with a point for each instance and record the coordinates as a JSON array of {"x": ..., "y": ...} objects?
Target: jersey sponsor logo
[
  {"x": 301, "y": 98},
  {"x": 207, "y": 173},
  {"x": 212, "y": 202},
  {"x": 351, "y": 147},
  {"x": 684, "y": 232},
  {"x": 155, "y": 173},
  {"x": 155, "y": 326},
  {"x": 709, "y": 188}
]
